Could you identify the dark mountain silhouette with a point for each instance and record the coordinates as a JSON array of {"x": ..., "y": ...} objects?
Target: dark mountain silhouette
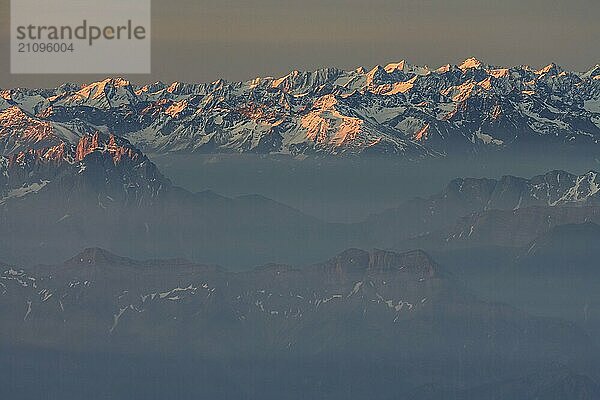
[{"x": 396, "y": 320}]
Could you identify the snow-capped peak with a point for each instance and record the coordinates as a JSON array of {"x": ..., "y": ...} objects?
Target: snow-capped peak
[
  {"x": 593, "y": 73},
  {"x": 399, "y": 66},
  {"x": 470, "y": 63},
  {"x": 551, "y": 68}
]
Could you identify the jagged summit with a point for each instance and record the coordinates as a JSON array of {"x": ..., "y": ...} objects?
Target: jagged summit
[
  {"x": 117, "y": 148},
  {"x": 93, "y": 165},
  {"x": 553, "y": 188},
  {"x": 399, "y": 66},
  {"x": 470, "y": 63},
  {"x": 550, "y": 69}
]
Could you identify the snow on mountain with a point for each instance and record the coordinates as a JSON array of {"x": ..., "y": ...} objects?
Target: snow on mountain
[
  {"x": 22, "y": 131},
  {"x": 343, "y": 323},
  {"x": 552, "y": 189},
  {"x": 106, "y": 94},
  {"x": 397, "y": 109},
  {"x": 306, "y": 309},
  {"x": 71, "y": 165},
  {"x": 513, "y": 211},
  {"x": 507, "y": 209},
  {"x": 470, "y": 63}
]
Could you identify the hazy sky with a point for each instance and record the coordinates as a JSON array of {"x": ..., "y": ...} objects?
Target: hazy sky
[{"x": 202, "y": 40}]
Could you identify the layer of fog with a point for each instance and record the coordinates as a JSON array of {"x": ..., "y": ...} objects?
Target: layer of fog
[{"x": 349, "y": 189}]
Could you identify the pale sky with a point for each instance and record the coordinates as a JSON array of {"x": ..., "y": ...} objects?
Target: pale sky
[{"x": 203, "y": 40}]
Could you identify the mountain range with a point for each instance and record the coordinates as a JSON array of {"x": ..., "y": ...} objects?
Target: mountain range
[
  {"x": 229, "y": 296},
  {"x": 102, "y": 191},
  {"x": 509, "y": 211},
  {"x": 379, "y": 322},
  {"x": 398, "y": 109},
  {"x": 99, "y": 190}
]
